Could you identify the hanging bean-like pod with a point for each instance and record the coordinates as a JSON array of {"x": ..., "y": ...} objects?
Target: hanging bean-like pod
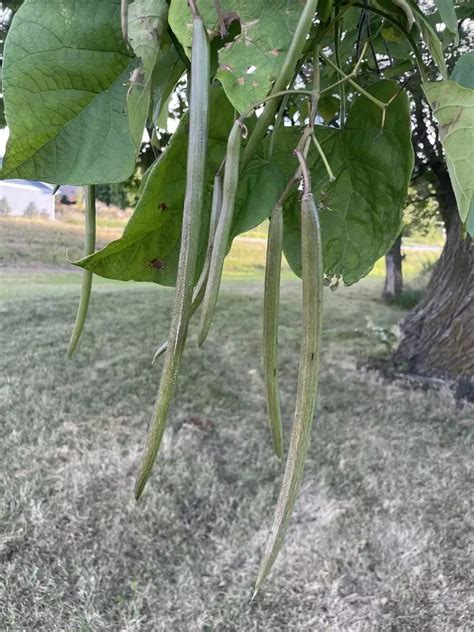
[
  {"x": 124, "y": 19},
  {"x": 202, "y": 282},
  {"x": 312, "y": 279},
  {"x": 231, "y": 181},
  {"x": 89, "y": 249},
  {"x": 271, "y": 308},
  {"x": 193, "y": 202}
]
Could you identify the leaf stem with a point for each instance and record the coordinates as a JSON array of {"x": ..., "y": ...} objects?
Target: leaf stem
[
  {"x": 277, "y": 124},
  {"x": 305, "y": 172},
  {"x": 316, "y": 86},
  {"x": 89, "y": 248},
  {"x": 353, "y": 83},
  {"x": 342, "y": 87},
  {"x": 419, "y": 59},
  {"x": 220, "y": 17},
  {"x": 275, "y": 95},
  {"x": 326, "y": 164}
]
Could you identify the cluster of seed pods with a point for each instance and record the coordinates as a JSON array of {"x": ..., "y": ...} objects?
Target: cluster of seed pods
[{"x": 189, "y": 297}]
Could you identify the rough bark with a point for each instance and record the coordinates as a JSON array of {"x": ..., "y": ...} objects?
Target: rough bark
[
  {"x": 393, "y": 272},
  {"x": 438, "y": 335}
]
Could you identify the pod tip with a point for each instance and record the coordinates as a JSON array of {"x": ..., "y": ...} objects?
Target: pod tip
[
  {"x": 139, "y": 487},
  {"x": 202, "y": 335}
]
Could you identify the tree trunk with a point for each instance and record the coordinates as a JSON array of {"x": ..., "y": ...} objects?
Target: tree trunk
[
  {"x": 438, "y": 335},
  {"x": 393, "y": 272}
]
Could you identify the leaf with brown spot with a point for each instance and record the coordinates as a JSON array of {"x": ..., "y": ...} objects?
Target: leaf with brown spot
[{"x": 267, "y": 29}]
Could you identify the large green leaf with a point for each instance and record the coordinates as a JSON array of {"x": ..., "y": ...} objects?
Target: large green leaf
[
  {"x": 448, "y": 15},
  {"x": 259, "y": 189},
  {"x": 147, "y": 22},
  {"x": 430, "y": 38},
  {"x": 149, "y": 247},
  {"x": 66, "y": 75},
  {"x": 361, "y": 211},
  {"x": 168, "y": 70},
  {"x": 453, "y": 106},
  {"x": 249, "y": 65},
  {"x": 463, "y": 71}
]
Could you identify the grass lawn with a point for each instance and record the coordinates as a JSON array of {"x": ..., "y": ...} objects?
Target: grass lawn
[{"x": 380, "y": 538}]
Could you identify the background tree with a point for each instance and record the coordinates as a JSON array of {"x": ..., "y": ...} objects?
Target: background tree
[
  {"x": 438, "y": 336},
  {"x": 31, "y": 210},
  {"x": 5, "y": 208}
]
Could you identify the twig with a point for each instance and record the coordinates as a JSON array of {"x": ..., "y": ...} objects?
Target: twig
[
  {"x": 194, "y": 9},
  {"x": 269, "y": 97},
  {"x": 353, "y": 83},
  {"x": 316, "y": 86},
  {"x": 220, "y": 17},
  {"x": 323, "y": 157},
  {"x": 342, "y": 87},
  {"x": 305, "y": 172},
  {"x": 277, "y": 124}
]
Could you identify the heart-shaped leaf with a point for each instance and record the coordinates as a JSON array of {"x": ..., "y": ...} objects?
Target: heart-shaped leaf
[
  {"x": 149, "y": 247},
  {"x": 249, "y": 65},
  {"x": 361, "y": 211},
  {"x": 66, "y": 76},
  {"x": 453, "y": 106}
]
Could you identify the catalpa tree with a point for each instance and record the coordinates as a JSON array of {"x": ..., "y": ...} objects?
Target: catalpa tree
[{"x": 84, "y": 78}]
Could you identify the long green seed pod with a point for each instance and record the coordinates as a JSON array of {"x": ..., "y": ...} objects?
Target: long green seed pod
[
  {"x": 202, "y": 282},
  {"x": 312, "y": 276},
  {"x": 231, "y": 181},
  {"x": 89, "y": 248},
  {"x": 193, "y": 202},
  {"x": 294, "y": 52},
  {"x": 271, "y": 306},
  {"x": 124, "y": 19}
]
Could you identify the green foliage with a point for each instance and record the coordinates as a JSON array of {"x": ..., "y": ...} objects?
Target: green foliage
[
  {"x": 361, "y": 211},
  {"x": 113, "y": 194},
  {"x": 421, "y": 216},
  {"x": 448, "y": 15},
  {"x": 65, "y": 80},
  {"x": 149, "y": 248},
  {"x": 250, "y": 64},
  {"x": 147, "y": 22},
  {"x": 453, "y": 106},
  {"x": 408, "y": 299},
  {"x": 430, "y": 38}
]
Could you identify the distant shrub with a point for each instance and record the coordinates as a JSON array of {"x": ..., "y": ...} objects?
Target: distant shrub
[
  {"x": 408, "y": 299},
  {"x": 5, "y": 208},
  {"x": 428, "y": 266},
  {"x": 31, "y": 210}
]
